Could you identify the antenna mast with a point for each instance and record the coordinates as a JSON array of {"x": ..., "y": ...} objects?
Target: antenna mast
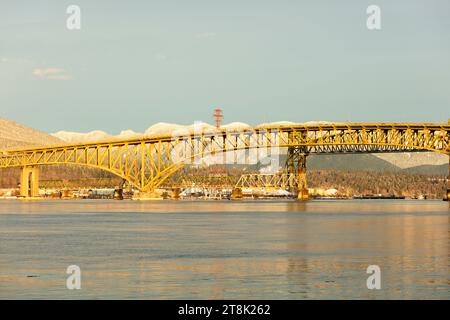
[{"x": 218, "y": 115}]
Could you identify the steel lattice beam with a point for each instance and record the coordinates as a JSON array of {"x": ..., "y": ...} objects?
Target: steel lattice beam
[{"x": 147, "y": 162}]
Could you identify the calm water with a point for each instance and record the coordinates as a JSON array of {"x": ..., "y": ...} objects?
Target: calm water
[{"x": 214, "y": 250}]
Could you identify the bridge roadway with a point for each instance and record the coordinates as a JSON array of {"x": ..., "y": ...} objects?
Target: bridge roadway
[{"x": 147, "y": 161}]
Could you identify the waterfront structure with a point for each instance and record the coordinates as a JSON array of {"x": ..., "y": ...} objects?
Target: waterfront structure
[{"x": 145, "y": 163}]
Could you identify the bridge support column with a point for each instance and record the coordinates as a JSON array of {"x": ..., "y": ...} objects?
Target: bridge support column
[
  {"x": 66, "y": 194},
  {"x": 236, "y": 194},
  {"x": 448, "y": 181},
  {"x": 176, "y": 193},
  {"x": 296, "y": 164},
  {"x": 301, "y": 176},
  {"x": 118, "y": 194},
  {"x": 29, "y": 182}
]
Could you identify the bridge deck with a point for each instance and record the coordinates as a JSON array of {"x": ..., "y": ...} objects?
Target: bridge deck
[
  {"x": 146, "y": 162},
  {"x": 284, "y": 128}
]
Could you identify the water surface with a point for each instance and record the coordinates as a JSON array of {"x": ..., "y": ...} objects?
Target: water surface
[{"x": 225, "y": 249}]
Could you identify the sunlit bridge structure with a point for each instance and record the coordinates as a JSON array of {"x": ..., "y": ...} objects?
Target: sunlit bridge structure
[
  {"x": 277, "y": 180},
  {"x": 205, "y": 181},
  {"x": 146, "y": 162}
]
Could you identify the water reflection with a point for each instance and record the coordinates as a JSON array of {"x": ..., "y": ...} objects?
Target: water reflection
[{"x": 224, "y": 249}]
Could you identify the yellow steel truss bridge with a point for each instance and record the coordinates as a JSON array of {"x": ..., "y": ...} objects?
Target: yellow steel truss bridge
[
  {"x": 287, "y": 181},
  {"x": 148, "y": 161}
]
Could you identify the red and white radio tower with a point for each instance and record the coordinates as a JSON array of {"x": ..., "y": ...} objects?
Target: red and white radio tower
[{"x": 218, "y": 115}]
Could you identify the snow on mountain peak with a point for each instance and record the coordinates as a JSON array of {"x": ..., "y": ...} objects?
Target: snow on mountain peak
[
  {"x": 236, "y": 126},
  {"x": 403, "y": 160},
  {"x": 128, "y": 134},
  {"x": 76, "y": 137},
  {"x": 164, "y": 128}
]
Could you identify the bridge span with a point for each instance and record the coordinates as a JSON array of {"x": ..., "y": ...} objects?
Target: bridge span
[{"x": 146, "y": 162}]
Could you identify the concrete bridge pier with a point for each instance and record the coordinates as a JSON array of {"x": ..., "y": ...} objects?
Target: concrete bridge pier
[
  {"x": 118, "y": 194},
  {"x": 448, "y": 181},
  {"x": 296, "y": 164},
  {"x": 302, "y": 187},
  {"x": 236, "y": 194},
  {"x": 29, "y": 182},
  {"x": 176, "y": 193}
]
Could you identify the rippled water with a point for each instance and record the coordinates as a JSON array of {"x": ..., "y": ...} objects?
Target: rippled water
[{"x": 225, "y": 249}]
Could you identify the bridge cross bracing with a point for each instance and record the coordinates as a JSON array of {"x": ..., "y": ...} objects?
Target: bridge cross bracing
[{"x": 146, "y": 162}]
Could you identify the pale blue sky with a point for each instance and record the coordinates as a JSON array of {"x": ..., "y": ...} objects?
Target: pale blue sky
[{"x": 135, "y": 63}]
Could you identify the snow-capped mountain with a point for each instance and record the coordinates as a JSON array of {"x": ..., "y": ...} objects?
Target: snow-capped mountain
[
  {"x": 128, "y": 134},
  {"x": 236, "y": 126},
  {"x": 400, "y": 160},
  {"x": 162, "y": 128},
  {"x": 78, "y": 137},
  {"x": 158, "y": 129}
]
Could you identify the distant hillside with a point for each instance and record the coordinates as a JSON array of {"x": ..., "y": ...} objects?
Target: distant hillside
[
  {"x": 350, "y": 162},
  {"x": 413, "y": 159},
  {"x": 429, "y": 169},
  {"x": 372, "y": 162},
  {"x": 14, "y": 135},
  {"x": 346, "y": 162},
  {"x": 351, "y": 183},
  {"x": 368, "y": 162}
]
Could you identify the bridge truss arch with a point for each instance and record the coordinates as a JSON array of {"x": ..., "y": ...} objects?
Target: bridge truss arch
[{"x": 148, "y": 161}]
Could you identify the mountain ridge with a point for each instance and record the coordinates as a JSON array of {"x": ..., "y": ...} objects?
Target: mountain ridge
[{"x": 15, "y": 135}]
